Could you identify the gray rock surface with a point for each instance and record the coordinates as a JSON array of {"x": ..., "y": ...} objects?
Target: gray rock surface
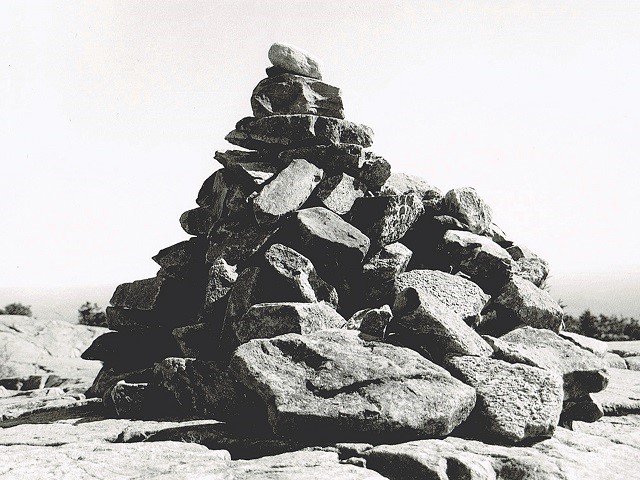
[
  {"x": 622, "y": 395},
  {"x": 371, "y": 321},
  {"x": 380, "y": 271},
  {"x": 401, "y": 184},
  {"x": 292, "y": 59},
  {"x": 594, "y": 345},
  {"x": 131, "y": 400},
  {"x": 235, "y": 242},
  {"x": 466, "y": 205},
  {"x": 625, "y": 348},
  {"x": 331, "y": 384},
  {"x": 339, "y": 192},
  {"x": 528, "y": 265}
]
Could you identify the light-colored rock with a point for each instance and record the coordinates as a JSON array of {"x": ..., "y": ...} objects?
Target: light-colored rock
[
  {"x": 371, "y": 321},
  {"x": 379, "y": 273},
  {"x": 594, "y": 345},
  {"x": 401, "y": 184},
  {"x": 528, "y": 265},
  {"x": 633, "y": 363},
  {"x": 629, "y": 348},
  {"x": 292, "y": 59},
  {"x": 622, "y": 395},
  {"x": 623, "y": 430},
  {"x": 614, "y": 361},
  {"x": 466, "y": 205},
  {"x": 339, "y": 192}
]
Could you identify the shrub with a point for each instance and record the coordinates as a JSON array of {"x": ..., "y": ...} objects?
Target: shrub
[
  {"x": 17, "y": 309},
  {"x": 90, "y": 314}
]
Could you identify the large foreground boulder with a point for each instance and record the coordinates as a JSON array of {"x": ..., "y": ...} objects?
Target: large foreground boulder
[{"x": 334, "y": 385}]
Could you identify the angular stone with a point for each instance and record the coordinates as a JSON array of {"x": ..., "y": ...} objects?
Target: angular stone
[
  {"x": 294, "y": 94},
  {"x": 333, "y": 245},
  {"x": 385, "y": 220},
  {"x": 521, "y": 302},
  {"x": 130, "y": 400},
  {"x": 243, "y": 160},
  {"x": 184, "y": 260},
  {"x": 514, "y": 402},
  {"x": 622, "y": 395},
  {"x": 466, "y": 205},
  {"x": 614, "y": 361},
  {"x": 628, "y": 348},
  {"x": 224, "y": 194},
  {"x": 434, "y": 326},
  {"x": 138, "y": 321},
  {"x": 582, "y": 371},
  {"x": 278, "y": 132},
  {"x": 268, "y": 320},
  {"x": 292, "y": 59},
  {"x": 339, "y": 192},
  {"x": 287, "y": 191},
  {"x": 462, "y": 296},
  {"x": 582, "y": 409},
  {"x": 331, "y": 384},
  {"x": 484, "y": 261},
  {"x": 593, "y": 345},
  {"x": 201, "y": 341},
  {"x": 380, "y": 271},
  {"x": 371, "y": 321},
  {"x": 528, "y": 265},
  {"x": 108, "y": 376},
  {"x": 198, "y": 221},
  {"x": 365, "y": 166},
  {"x": 235, "y": 242},
  {"x": 401, "y": 184},
  {"x": 222, "y": 276}
]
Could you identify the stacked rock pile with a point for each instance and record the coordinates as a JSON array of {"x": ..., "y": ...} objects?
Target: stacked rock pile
[{"x": 323, "y": 298}]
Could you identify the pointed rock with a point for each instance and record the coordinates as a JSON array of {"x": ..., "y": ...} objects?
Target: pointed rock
[
  {"x": 184, "y": 260},
  {"x": 401, "y": 184}
]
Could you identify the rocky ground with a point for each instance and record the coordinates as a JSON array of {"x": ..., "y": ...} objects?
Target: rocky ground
[{"x": 52, "y": 431}]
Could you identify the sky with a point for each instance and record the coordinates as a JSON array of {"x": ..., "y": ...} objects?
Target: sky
[{"x": 110, "y": 113}]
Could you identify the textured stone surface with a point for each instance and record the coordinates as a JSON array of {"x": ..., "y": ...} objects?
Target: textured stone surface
[
  {"x": 222, "y": 276},
  {"x": 108, "y": 376},
  {"x": 331, "y": 384},
  {"x": 385, "y": 220},
  {"x": 528, "y": 265},
  {"x": 371, "y": 321},
  {"x": 235, "y": 242},
  {"x": 339, "y": 192},
  {"x": 401, "y": 184},
  {"x": 267, "y": 320},
  {"x": 464, "y": 297},
  {"x": 292, "y": 59},
  {"x": 434, "y": 326},
  {"x": 287, "y": 191},
  {"x": 583, "y": 372},
  {"x": 278, "y": 132},
  {"x": 131, "y": 400},
  {"x": 201, "y": 340},
  {"x": 466, "y": 205},
  {"x": 223, "y": 194},
  {"x": 380, "y": 271},
  {"x": 184, "y": 260},
  {"x": 521, "y": 302},
  {"x": 292, "y": 94},
  {"x": 198, "y": 221},
  {"x": 593, "y": 345},
  {"x": 484, "y": 261},
  {"x": 514, "y": 403},
  {"x": 626, "y": 348},
  {"x": 244, "y": 160},
  {"x": 622, "y": 395}
]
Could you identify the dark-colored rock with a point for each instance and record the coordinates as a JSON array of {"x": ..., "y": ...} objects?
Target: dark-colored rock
[
  {"x": 109, "y": 376},
  {"x": 222, "y": 276},
  {"x": 138, "y": 321},
  {"x": 371, "y": 321},
  {"x": 224, "y": 194},
  {"x": 434, "y": 326},
  {"x": 198, "y": 221},
  {"x": 184, "y": 260},
  {"x": 244, "y": 160},
  {"x": 515, "y": 402},
  {"x": 380, "y": 271},
  {"x": 331, "y": 385},
  {"x": 294, "y": 94},
  {"x": 235, "y": 242},
  {"x": 278, "y": 132},
  {"x": 466, "y": 205},
  {"x": 582, "y": 409},
  {"x": 131, "y": 400},
  {"x": 339, "y": 192},
  {"x": 201, "y": 341},
  {"x": 287, "y": 191}
]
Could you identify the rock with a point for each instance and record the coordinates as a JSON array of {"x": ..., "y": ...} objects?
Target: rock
[
  {"x": 528, "y": 265},
  {"x": 235, "y": 242},
  {"x": 614, "y": 361},
  {"x": 371, "y": 321},
  {"x": 201, "y": 341},
  {"x": 16, "y": 406},
  {"x": 293, "y": 94},
  {"x": 582, "y": 409},
  {"x": 156, "y": 293},
  {"x": 625, "y": 348},
  {"x": 365, "y": 166},
  {"x": 333, "y": 245},
  {"x": 622, "y": 395},
  {"x": 287, "y": 191},
  {"x": 294, "y": 60},
  {"x": 521, "y": 302},
  {"x": 462, "y": 296},
  {"x": 484, "y": 261},
  {"x": 278, "y": 132},
  {"x": 140, "y": 321},
  {"x": 465, "y": 205},
  {"x": 109, "y": 376},
  {"x": 496, "y": 234},
  {"x": 331, "y": 384},
  {"x": 198, "y": 221},
  {"x": 385, "y": 220},
  {"x": 225, "y": 194},
  {"x": 633, "y": 363},
  {"x": 222, "y": 276},
  {"x": 582, "y": 371},
  {"x": 623, "y": 430},
  {"x": 593, "y": 345},
  {"x": 380, "y": 271},
  {"x": 184, "y": 260},
  {"x": 339, "y": 192},
  {"x": 434, "y": 326},
  {"x": 131, "y": 400},
  {"x": 515, "y": 402},
  {"x": 401, "y": 184},
  {"x": 267, "y": 320},
  {"x": 238, "y": 160}
]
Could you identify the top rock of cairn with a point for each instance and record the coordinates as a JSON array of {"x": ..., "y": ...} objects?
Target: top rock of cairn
[{"x": 247, "y": 319}]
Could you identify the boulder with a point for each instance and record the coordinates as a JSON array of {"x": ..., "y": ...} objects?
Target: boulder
[
  {"x": 235, "y": 242},
  {"x": 131, "y": 400},
  {"x": 514, "y": 403},
  {"x": 222, "y": 276},
  {"x": 582, "y": 371},
  {"x": 198, "y": 221},
  {"x": 380, "y": 271},
  {"x": 267, "y": 320},
  {"x": 151, "y": 293},
  {"x": 139, "y": 321},
  {"x": 292, "y": 59},
  {"x": 462, "y": 296},
  {"x": 371, "y": 321},
  {"x": 582, "y": 409},
  {"x": 339, "y": 192},
  {"x": 401, "y": 184},
  {"x": 108, "y": 376},
  {"x": 238, "y": 160},
  {"x": 520, "y": 302},
  {"x": 225, "y": 193},
  {"x": 528, "y": 265},
  {"x": 596, "y": 346},
  {"x": 294, "y": 94},
  {"x": 278, "y": 132},
  {"x": 484, "y": 261},
  {"x": 622, "y": 395},
  {"x": 434, "y": 326},
  {"x": 466, "y": 205},
  {"x": 385, "y": 220},
  {"x": 201, "y": 340},
  {"x": 184, "y": 260},
  {"x": 287, "y": 191},
  {"x": 332, "y": 384}
]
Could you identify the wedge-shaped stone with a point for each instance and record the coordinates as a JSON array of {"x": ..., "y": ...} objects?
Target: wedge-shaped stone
[
  {"x": 278, "y": 132},
  {"x": 521, "y": 302},
  {"x": 139, "y": 321},
  {"x": 131, "y": 400},
  {"x": 514, "y": 402},
  {"x": 582, "y": 409},
  {"x": 484, "y": 261},
  {"x": 434, "y": 326},
  {"x": 528, "y": 265},
  {"x": 267, "y": 320},
  {"x": 339, "y": 192},
  {"x": 371, "y": 321},
  {"x": 622, "y": 395},
  {"x": 466, "y": 205},
  {"x": 184, "y": 260},
  {"x": 292, "y": 94},
  {"x": 462, "y": 296},
  {"x": 108, "y": 376},
  {"x": 292, "y": 59},
  {"x": 380, "y": 271},
  {"x": 332, "y": 385},
  {"x": 385, "y": 220},
  {"x": 243, "y": 159},
  {"x": 225, "y": 192},
  {"x": 236, "y": 241},
  {"x": 582, "y": 371},
  {"x": 154, "y": 293},
  {"x": 287, "y": 191}
]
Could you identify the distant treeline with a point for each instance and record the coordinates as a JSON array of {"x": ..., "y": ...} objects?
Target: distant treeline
[{"x": 603, "y": 327}]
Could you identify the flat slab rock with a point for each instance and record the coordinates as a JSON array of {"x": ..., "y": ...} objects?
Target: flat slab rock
[
  {"x": 622, "y": 395},
  {"x": 332, "y": 384},
  {"x": 292, "y": 59},
  {"x": 630, "y": 348}
]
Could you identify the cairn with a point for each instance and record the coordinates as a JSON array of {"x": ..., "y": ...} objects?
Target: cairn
[{"x": 323, "y": 298}]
